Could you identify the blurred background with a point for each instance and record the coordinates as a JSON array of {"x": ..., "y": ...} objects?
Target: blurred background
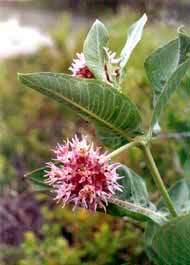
[{"x": 44, "y": 35}]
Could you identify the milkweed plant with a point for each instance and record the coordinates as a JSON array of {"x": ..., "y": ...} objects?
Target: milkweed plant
[{"x": 82, "y": 175}]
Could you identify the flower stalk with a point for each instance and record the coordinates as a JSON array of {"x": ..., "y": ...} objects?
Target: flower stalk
[{"x": 120, "y": 150}]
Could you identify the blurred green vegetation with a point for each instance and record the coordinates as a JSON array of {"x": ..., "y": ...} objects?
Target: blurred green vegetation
[
  {"x": 31, "y": 124},
  {"x": 84, "y": 239}
]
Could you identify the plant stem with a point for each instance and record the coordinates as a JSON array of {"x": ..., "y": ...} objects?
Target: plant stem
[
  {"x": 153, "y": 169},
  {"x": 121, "y": 149},
  {"x": 158, "y": 180}
]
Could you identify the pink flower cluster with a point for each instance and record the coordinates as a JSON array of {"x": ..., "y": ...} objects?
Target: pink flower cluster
[
  {"x": 81, "y": 175},
  {"x": 79, "y": 67}
]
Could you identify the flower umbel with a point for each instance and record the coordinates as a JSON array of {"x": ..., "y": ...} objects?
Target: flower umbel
[
  {"x": 79, "y": 67},
  {"x": 112, "y": 67},
  {"x": 81, "y": 175}
]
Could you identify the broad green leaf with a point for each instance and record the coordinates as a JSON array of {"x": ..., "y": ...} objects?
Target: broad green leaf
[
  {"x": 134, "y": 187},
  {"x": 184, "y": 42},
  {"x": 133, "y": 37},
  {"x": 187, "y": 169},
  {"x": 172, "y": 85},
  {"x": 135, "y": 211},
  {"x": 150, "y": 232},
  {"x": 115, "y": 116},
  {"x": 165, "y": 69},
  {"x": 180, "y": 195},
  {"x": 172, "y": 242},
  {"x": 160, "y": 66},
  {"x": 93, "y": 49}
]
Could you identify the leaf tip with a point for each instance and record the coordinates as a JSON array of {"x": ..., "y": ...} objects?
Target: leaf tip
[
  {"x": 26, "y": 175},
  {"x": 145, "y": 17},
  {"x": 181, "y": 29},
  {"x": 97, "y": 21},
  {"x": 20, "y": 76}
]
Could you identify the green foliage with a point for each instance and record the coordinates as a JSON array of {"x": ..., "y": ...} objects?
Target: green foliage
[
  {"x": 93, "y": 52},
  {"x": 37, "y": 179},
  {"x": 135, "y": 189},
  {"x": 134, "y": 36},
  {"x": 159, "y": 240},
  {"x": 116, "y": 117},
  {"x": 180, "y": 195},
  {"x": 170, "y": 243},
  {"x": 166, "y": 69},
  {"x": 136, "y": 197},
  {"x": 52, "y": 250},
  {"x": 80, "y": 238}
]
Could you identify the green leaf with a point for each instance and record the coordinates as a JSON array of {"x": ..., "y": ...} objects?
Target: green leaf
[
  {"x": 94, "y": 54},
  {"x": 37, "y": 179},
  {"x": 150, "y": 232},
  {"x": 187, "y": 169},
  {"x": 161, "y": 64},
  {"x": 172, "y": 242},
  {"x": 115, "y": 116},
  {"x": 172, "y": 85},
  {"x": 135, "y": 196},
  {"x": 135, "y": 189},
  {"x": 180, "y": 195},
  {"x": 165, "y": 69},
  {"x": 133, "y": 37}
]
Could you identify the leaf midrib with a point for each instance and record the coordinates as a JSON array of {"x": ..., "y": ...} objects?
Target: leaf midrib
[
  {"x": 107, "y": 124},
  {"x": 137, "y": 208},
  {"x": 97, "y": 43}
]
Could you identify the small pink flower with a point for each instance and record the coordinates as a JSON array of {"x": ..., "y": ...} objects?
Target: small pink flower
[
  {"x": 81, "y": 175},
  {"x": 79, "y": 67},
  {"x": 111, "y": 56},
  {"x": 113, "y": 62}
]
